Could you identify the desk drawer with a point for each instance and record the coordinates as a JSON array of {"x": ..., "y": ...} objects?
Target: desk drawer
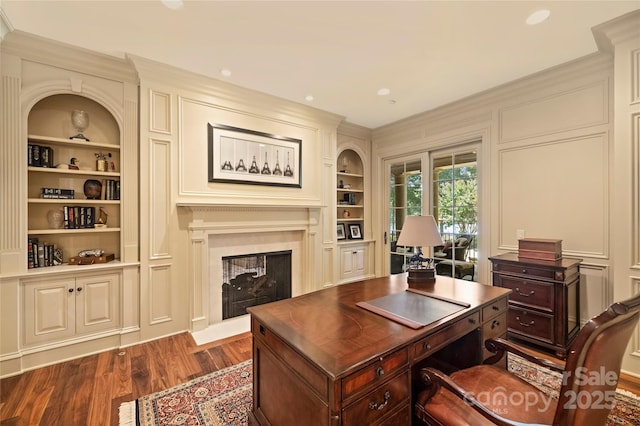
[
  {"x": 432, "y": 343},
  {"x": 546, "y": 273},
  {"x": 534, "y": 294},
  {"x": 379, "y": 403},
  {"x": 374, "y": 373},
  {"x": 531, "y": 324},
  {"x": 496, "y": 327},
  {"x": 496, "y": 308}
]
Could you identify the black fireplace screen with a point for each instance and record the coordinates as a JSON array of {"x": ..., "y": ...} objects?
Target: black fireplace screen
[{"x": 254, "y": 279}]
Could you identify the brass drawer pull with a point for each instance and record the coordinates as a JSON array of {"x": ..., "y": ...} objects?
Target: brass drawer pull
[
  {"x": 523, "y": 324},
  {"x": 426, "y": 346},
  {"x": 531, "y": 293},
  {"x": 380, "y": 406}
]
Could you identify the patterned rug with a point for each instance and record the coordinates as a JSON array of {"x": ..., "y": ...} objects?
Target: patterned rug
[
  {"x": 626, "y": 410},
  {"x": 221, "y": 398},
  {"x": 225, "y": 397}
]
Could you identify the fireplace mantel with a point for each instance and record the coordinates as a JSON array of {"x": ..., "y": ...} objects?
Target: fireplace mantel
[{"x": 216, "y": 231}]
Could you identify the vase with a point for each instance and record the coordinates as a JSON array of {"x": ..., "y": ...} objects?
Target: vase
[
  {"x": 92, "y": 189},
  {"x": 55, "y": 218}
]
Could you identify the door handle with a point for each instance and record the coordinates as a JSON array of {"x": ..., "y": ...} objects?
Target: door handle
[{"x": 385, "y": 237}]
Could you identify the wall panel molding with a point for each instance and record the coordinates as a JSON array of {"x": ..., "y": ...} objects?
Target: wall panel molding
[
  {"x": 570, "y": 109},
  {"x": 536, "y": 182},
  {"x": 635, "y": 191},
  {"x": 159, "y": 198},
  {"x": 160, "y": 118},
  {"x": 159, "y": 299}
]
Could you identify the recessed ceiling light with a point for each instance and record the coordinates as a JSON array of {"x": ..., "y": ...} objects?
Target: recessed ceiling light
[
  {"x": 384, "y": 91},
  {"x": 225, "y": 72},
  {"x": 309, "y": 98},
  {"x": 538, "y": 17},
  {"x": 173, "y": 4}
]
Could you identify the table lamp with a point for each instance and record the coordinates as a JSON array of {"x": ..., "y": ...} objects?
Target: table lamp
[{"x": 420, "y": 231}]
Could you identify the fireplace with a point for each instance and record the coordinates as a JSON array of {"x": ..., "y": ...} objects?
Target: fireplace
[
  {"x": 233, "y": 233},
  {"x": 254, "y": 279}
]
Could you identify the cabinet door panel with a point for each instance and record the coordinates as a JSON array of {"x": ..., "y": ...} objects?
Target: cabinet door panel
[
  {"x": 48, "y": 310},
  {"x": 97, "y": 303},
  {"x": 347, "y": 263}
]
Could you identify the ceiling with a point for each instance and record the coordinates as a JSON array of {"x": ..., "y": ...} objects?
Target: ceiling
[{"x": 427, "y": 53}]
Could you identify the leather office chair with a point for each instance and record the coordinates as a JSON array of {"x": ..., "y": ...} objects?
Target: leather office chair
[{"x": 488, "y": 395}]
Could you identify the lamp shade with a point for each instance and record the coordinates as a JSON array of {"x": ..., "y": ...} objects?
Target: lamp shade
[{"x": 419, "y": 231}]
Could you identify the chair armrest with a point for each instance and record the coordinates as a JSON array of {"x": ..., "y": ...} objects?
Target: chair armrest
[
  {"x": 433, "y": 379},
  {"x": 500, "y": 346}
]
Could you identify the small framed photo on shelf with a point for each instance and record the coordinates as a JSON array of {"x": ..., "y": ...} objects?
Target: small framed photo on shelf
[
  {"x": 342, "y": 235},
  {"x": 355, "y": 233}
]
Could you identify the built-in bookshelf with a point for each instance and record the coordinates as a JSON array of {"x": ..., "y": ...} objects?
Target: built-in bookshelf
[
  {"x": 350, "y": 192},
  {"x": 73, "y": 184}
]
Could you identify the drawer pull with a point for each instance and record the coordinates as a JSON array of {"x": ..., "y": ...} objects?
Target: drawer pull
[
  {"x": 495, "y": 308},
  {"x": 524, "y": 271},
  {"x": 472, "y": 321},
  {"x": 494, "y": 324},
  {"x": 380, "y": 406},
  {"x": 523, "y": 324},
  {"x": 426, "y": 346},
  {"x": 531, "y": 293},
  {"x": 380, "y": 372}
]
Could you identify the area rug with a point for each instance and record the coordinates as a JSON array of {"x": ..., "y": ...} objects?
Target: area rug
[
  {"x": 224, "y": 398},
  {"x": 626, "y": 410},
  {"x": 220, "y": 398}
]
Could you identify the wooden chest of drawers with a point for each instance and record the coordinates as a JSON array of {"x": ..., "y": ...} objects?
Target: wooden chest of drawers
[{"x": 544, "y": 306}]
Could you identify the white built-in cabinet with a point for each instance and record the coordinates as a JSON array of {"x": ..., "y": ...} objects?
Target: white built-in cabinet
[
  {"x": 54, "y": 312},
  {"x": 70, "y": 306},
  {"x": 353, "y": 204}
]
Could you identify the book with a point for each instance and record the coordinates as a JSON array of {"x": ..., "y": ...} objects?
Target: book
[
  {"x": 35, "y": 153},
  {"x": 30, "y": 263},
  {"x": 58, "y": 196},
  {"x": 57, "y": 191}
]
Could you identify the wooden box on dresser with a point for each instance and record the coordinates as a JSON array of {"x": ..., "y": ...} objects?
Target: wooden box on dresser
[
  {"x": 544, "y": 306},
  {"x": 53, "y": 310}
]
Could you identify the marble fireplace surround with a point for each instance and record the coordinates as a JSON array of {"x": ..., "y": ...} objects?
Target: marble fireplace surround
[{"x": 215, "y": 232}]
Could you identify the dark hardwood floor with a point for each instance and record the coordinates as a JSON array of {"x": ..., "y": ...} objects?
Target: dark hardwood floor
[{"x": 89, "y": 390}]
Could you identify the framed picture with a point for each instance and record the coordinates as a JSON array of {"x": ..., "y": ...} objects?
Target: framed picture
[
  {"x": 342, "y": 235},
  {"x": 255, "y": 158},
  {"x": 355, "y": 233}
]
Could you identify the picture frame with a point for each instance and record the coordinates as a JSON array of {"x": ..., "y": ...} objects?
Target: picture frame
[
  {"x": 255, "y": 158},
  {"x": 342, "y": 234},
  {"x": 355, "y": 232}
]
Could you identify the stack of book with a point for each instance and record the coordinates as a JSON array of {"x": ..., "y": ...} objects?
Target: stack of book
[
  {"x": 42, "y": 254},
  {"x": 40, "y": 156},
  {"x": 58, "y": 193},
  {"x": 110, "y": 189},
  {"x": 79, "y": 217}
]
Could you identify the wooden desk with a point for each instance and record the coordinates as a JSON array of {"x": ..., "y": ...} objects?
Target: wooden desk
[{"x": 318, "y": 359}]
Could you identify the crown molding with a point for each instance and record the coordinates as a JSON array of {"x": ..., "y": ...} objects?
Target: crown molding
[
  {"x": 42, "y": 50},
  {"x": 616, "y": 31},
  {"x": 151, "y": 71}
]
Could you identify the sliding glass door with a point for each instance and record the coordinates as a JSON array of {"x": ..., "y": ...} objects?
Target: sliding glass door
[
  {"x": 455, "y": 208},
  {"x": 405, "y": 199}
]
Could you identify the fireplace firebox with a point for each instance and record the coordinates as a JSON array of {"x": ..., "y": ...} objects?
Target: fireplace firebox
[{"x": 254, "y": 279}]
